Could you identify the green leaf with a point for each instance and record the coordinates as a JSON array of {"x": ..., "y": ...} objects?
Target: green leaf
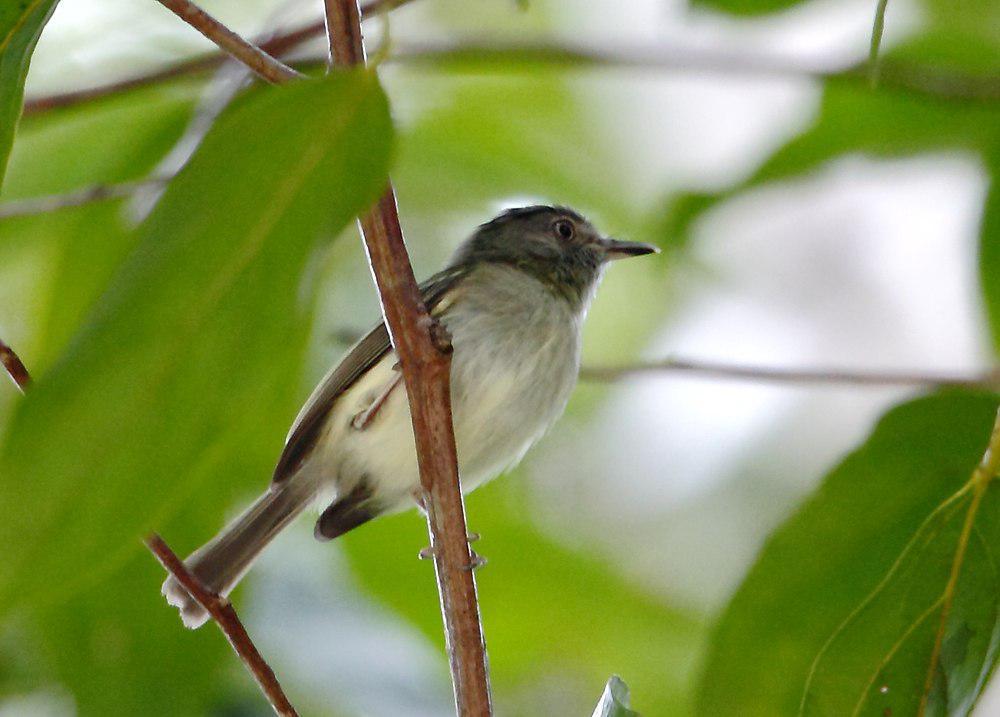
[
  {"x": 615, "y": 700},
  {"x": 186, "y": 368},
  {"x": 21, "y": 23},
  {"x": 841, "y": 612}
]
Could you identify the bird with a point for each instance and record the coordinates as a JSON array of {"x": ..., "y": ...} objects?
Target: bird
[{"x": 513, "y": 298}]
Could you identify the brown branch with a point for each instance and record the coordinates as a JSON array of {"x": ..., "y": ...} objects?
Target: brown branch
[
  {"x": 263, "y": 64},
  {"x": 423, "y": 349},
  {"x": 15, "y": 367},
  {"x": 225, "y": 617},
  {"x": 989, "y": 380}
]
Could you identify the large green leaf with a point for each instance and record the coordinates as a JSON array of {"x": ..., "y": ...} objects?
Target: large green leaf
[
  {"x": 593, "y": 621},
  {"x": 185, "y": 369},
  {"x": 21, "y": 23},
  {"x": 841, "y": 612},
  {"x": 127, "y": 656}
]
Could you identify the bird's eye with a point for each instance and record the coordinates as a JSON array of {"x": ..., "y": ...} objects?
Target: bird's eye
[{"x": 564, "y": 229}]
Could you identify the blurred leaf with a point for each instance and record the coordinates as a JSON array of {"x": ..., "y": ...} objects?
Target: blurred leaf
[
  {"x": 21, "y": 23},
  {"x": 614, "y": 702},
  {"x": 187, "y": 364},
  {"x": 897, "y": 122},
  {"x": 746, "y": 7},
  {"x": 547, "y": 610},
  {"x": 840, "y": 613},
  {"x": 515, "y": 135}
]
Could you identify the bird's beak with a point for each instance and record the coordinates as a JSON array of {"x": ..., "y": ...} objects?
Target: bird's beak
[{"x": 618, "y": 249}]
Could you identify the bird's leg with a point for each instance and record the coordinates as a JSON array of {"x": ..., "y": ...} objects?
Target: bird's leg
[
  {"x": 363, "y": 419},
  {"x": 422, "y": 497}
]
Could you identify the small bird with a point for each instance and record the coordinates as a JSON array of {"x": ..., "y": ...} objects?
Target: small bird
[{"x": 513, "y": 298}]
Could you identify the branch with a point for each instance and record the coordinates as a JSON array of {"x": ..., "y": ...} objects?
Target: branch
[
  {"x": 423, "y": 349},
  {"x": 225, "y": 616},
  {"x": 266, "y": 67},
  {"x": 989, "y": 380},
  {"x": 15, "y": 367},
  {"x": 920, "y": 79},
  {"x": 76, "y": 198}
]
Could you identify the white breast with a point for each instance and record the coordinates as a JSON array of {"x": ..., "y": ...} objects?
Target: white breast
[{"x": 515, "y": 363}]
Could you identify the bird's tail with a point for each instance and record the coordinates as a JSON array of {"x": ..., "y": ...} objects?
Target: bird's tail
[{"x": 221, "y": 562}]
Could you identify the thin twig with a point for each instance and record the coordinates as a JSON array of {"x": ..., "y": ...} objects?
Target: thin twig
[
  {"x": 225, "y": 617},
  {"x": 984, "y": 473},
  {"x": 921, "y": 79},
  {"x": 15, "y": 368},
  {"x": 78, "y": 197},
  {"x": 766, "y": 374},
  {"x": 423, "y": 348},
  {"x": 260, "y": 62},
  {"x": 878, "y": 27}
]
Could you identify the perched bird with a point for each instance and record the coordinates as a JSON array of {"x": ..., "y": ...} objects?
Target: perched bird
[{"x": 514, "y": 298}]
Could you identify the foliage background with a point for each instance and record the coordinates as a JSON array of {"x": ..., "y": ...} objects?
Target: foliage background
[{"x": 808, "y": 221}]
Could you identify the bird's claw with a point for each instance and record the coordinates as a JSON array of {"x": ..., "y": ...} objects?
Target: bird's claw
[{"x": 477, "y": 562}]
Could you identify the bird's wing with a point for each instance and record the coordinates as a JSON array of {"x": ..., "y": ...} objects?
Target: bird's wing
[{"x": 362, "y": 356}]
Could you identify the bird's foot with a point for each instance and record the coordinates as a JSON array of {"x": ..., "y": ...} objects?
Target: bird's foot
[
  {"x": 477, "y": 561},
  {"x": 422, "y": 497}
]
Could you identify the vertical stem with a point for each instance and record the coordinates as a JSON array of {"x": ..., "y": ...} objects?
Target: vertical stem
[{"x": 423, "y": 349}]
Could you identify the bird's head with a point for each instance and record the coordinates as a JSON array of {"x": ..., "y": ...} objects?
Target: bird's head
[{"x": 556, "y": 245}]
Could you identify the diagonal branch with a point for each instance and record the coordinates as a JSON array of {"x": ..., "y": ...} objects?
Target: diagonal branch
[
  {"x": 14, "y": 366},
  {"x": 226, "y": 618},
  {"x": 266, "y": 67},
  {"x": 424, "y": 348}
]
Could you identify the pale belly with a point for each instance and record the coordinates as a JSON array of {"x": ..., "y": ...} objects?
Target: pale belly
[{"x": 508, "y": 386}]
